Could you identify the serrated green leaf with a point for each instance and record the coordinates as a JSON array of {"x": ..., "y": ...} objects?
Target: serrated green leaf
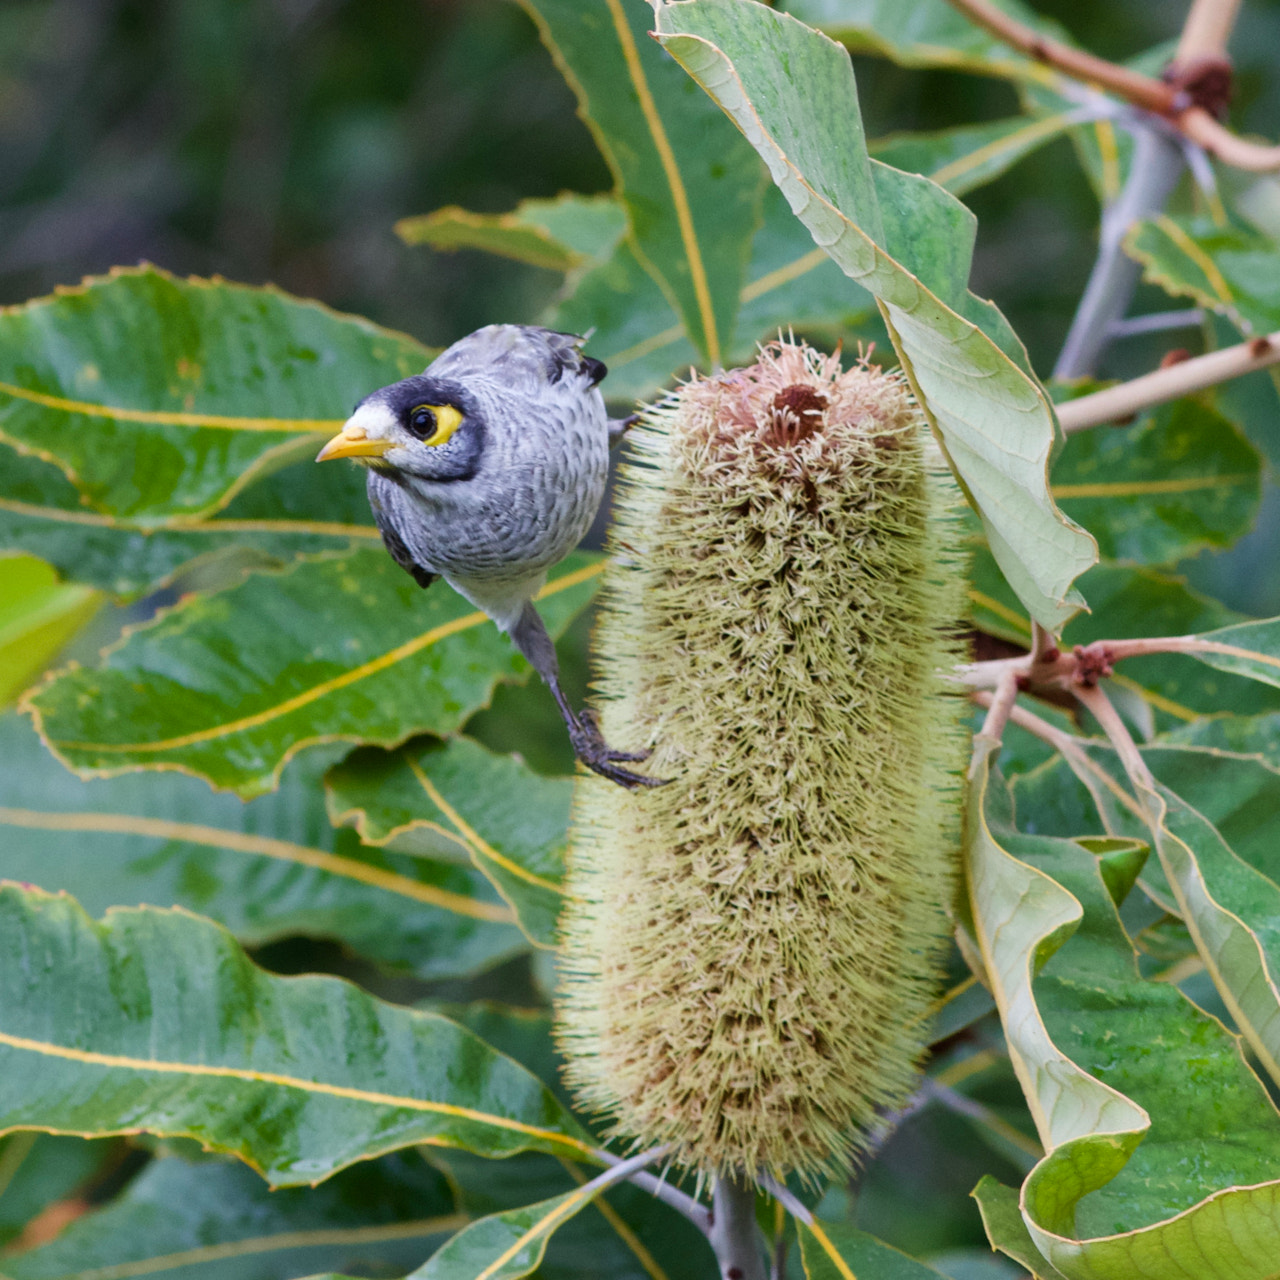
[
  {"x": 1241, "y": 735},
  {"x": 1153, "y": 1112},
  {"x": 456, "y": 798},
  {"x": 1182, "y": 479},
  {"x": 224, "y": 1220},
  {"x": 1214, "y": 814},
  {"x": 838, "y": 1251},
  {"x": 770, "y": 73},
  {"x": 230, "y": 686},
  {"x": 504, "y": 1246},
  {"x": 1250, "y": 649},
  {"x": 155, "y": 1021},
  {"x": 1002, "y": 1219},
  {"x": 301, "y": 509},
  {"x": 561, "y": 234},
  {"x": 267, "y": 869},
  {"x": 161, "y": 397},
  {"x": 38, "y": 615},
  {"x": 1230, "y": 270},
  {"x": 690, "y": 184},
  {"x": 968, "y": 156},
  {"x": 626, "y": 1235}
]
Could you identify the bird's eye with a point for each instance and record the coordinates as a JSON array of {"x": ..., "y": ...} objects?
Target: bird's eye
[
  {"x": 422, "y": 421},
  {"x": 434, "y": 424}
]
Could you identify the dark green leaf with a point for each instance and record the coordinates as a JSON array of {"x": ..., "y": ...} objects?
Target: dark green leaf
[
  {"x": 1153, "y": 1112},
  {"x": 266, "y": 869},
  {"x": 1180, "y": 480},
  {"x": 297, "y": 510},
  {"x": 836, "y": 1251},
  {"x": 625, "y": 1235},
  {"x": 231, "y": 685},
  {"x": 155, "y": 1021},
  {"x": 909, "y": 243},
  {"x": 224, "y": 1220},
  {"x": 506, "y": 1245},
  {"x": 1228, "y": 269},
  {"x": 162, "y": 397},
  {"x": 457, "y": 799},
  {"x": 1242, "y": 735},
  {"x": 793, "y": 285},
  {"x": 561, "y": 234},
  {"x": 38, "y": 1170},
  {"x": 969, "y": 156},
  {"x": 522, "y": 1034},
  {"x": 690, "y": 184}
]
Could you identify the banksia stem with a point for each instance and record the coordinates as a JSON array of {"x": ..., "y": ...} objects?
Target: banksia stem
[{"x": 750, "y": 949}]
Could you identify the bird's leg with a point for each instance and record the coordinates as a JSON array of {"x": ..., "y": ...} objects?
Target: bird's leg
[{"x": 529, "y": 635}]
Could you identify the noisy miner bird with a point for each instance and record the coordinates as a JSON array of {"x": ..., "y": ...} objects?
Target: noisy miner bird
[{"x": 485, "y": 470}]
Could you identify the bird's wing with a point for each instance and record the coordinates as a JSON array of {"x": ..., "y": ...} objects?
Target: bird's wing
[{"x": 399, "y": 552}]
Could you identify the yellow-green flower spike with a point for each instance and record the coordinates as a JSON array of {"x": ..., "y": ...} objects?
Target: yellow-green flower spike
[{"x": 750, "y": 950}]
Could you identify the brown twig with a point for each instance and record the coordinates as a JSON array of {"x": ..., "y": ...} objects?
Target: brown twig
[
  {"x": 1184, "y": 100},
  {"x": 1118, "y": 735},
  {"x": 1201, "y": 128},
  {"x": 1123, "y": 401},
  {"x": 1071, "y": 749},
  {"x": 1002, "y": 700},
  {"x": 1034, "y": 725},
  {"x": 1133, "y": 86},
  {"x": 1206, "y": 30},
  {"x": 1083, "y": 665}
]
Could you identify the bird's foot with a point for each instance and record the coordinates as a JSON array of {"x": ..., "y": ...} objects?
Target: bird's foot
[
  {"x": 591, "y": 748},
  {"x": 591, "y": 729}
]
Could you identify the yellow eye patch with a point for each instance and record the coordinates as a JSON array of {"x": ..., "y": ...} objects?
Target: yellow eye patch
[{"x": 434, "y": 424}]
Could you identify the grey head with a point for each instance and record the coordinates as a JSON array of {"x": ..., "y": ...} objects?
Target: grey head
[
  {"x": 435, "y": 425},
  {"x": 520, "y": 358}
]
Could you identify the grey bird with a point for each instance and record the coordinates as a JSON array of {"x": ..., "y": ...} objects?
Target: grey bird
[{"x": 485, "y": 470}]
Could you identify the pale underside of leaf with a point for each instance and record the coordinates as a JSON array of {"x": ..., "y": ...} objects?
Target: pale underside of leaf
[{"x": 994, "y": 421}]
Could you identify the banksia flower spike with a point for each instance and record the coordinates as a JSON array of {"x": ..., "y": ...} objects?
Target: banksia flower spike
[{"x": 749, "y": 950}]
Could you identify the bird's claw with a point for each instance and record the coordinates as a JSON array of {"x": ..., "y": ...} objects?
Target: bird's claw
[
  {"x": 591, "y": 727},
  {"x": 591, "y": 748}
]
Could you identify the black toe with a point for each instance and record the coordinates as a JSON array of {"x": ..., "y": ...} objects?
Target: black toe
[{"x": 591, "y": 748}]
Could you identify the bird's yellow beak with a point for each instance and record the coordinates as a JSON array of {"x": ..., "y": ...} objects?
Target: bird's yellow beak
[{"x": 353, "y": 442}]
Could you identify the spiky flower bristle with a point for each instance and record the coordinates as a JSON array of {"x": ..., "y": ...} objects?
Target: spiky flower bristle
[{"x": 749, "y": 951}]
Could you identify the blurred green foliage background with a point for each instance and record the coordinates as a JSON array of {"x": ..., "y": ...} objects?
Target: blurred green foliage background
[{"x": 281, "y": 139}]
